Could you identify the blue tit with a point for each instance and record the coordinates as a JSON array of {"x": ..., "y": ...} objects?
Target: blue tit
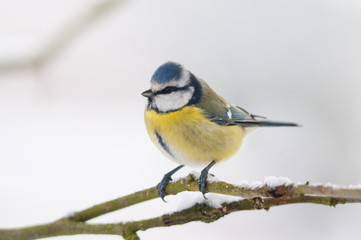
[{"x": 192, "y": 125}]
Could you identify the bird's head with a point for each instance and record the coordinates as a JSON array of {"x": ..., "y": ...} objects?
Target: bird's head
[{"x": 171, "y": 88}]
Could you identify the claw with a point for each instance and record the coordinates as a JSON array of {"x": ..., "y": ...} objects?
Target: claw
[
  {"x": 202, "y": 181},
  {"x": 161, "y": 187},
  {"x": 166, "y": 179}
]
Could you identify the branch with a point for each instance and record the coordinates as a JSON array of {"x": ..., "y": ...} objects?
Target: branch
[
  {"x": 263, "y": 196},
  {"x": 63, "y": 37}
]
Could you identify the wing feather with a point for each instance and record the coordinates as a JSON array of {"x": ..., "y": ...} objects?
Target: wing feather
[{"x": 218, "y": 110}]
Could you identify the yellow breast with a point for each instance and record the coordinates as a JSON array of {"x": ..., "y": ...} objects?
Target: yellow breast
[{"x": 189, "y": 138}]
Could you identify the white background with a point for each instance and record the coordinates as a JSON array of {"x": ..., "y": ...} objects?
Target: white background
[{"x": 72, "y": 133}]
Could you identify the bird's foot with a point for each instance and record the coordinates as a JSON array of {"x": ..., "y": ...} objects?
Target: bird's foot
[
  {"x": 166, "y": 179},
  {"x": 161, "y": 187},
  {"x": 202, "y": 181}
]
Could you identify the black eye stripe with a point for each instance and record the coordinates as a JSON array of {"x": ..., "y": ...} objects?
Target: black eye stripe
[
  {"x": 171, "y": 89},
  {"x": 167, "y": 90}
]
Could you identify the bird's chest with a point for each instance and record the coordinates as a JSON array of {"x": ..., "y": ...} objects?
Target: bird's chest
[{"x": 189, "y": 138}]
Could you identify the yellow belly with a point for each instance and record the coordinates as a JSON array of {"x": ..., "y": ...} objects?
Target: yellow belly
[{"x": 191, "y": 138}]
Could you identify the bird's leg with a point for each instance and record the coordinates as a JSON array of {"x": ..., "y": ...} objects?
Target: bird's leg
[
  {"x": 166, "y": 179},
  {"x": 202, "y": 181}
]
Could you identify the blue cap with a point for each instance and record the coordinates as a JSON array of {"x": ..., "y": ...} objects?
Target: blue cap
[{"x": 167, "y": 72}]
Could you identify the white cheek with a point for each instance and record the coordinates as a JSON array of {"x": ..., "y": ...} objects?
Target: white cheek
[{"x": 174, "y": 100}]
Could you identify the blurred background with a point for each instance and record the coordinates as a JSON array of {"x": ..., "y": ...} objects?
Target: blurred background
[{"x": 71, "y": 115}]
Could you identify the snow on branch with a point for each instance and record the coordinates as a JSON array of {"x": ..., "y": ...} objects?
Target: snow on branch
[{"x": 255, "y": 196}]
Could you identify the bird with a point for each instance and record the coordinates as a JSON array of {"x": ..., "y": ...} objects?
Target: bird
[{"x": 192, "y": 125}]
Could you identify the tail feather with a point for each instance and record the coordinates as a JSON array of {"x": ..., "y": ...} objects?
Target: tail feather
[{"x": 265, "y": 123}]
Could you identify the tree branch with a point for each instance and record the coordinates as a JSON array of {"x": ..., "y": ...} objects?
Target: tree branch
[
  {"x": 61, "y": 38},
  {"x": 263, "y": 196}
]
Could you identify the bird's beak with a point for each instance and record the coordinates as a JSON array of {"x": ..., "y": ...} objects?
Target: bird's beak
[{"x": 148, "y": 94}]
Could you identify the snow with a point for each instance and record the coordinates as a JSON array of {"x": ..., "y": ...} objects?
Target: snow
[
  {"x": 211, "y": 178},
  {"x": 270, "y": 181},
  {"x": 273, "y": 181},
  {"x": 188, "y": 200},
  {"x": 353, "y": 186},
  {"x": 334, "y": 186},
  {"x": 214, "y": 200}
]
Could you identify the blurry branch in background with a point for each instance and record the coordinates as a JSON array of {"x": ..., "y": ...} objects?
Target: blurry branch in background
[
  {"x": 262, "y": 196},
  {"x": 61, "y": 38}
]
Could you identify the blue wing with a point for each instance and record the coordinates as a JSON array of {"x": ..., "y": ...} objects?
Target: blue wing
[
  {"x": 235, "y": 115},
  {"x": 218, "y": 110}
]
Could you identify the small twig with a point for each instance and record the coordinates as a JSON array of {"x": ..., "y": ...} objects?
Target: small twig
[
  {"x": 62, "y": 38},
  {"x": 262, "y": 197}
]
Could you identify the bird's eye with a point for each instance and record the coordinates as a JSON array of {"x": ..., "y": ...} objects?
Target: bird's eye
[{"x": 168, "y": 90}]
